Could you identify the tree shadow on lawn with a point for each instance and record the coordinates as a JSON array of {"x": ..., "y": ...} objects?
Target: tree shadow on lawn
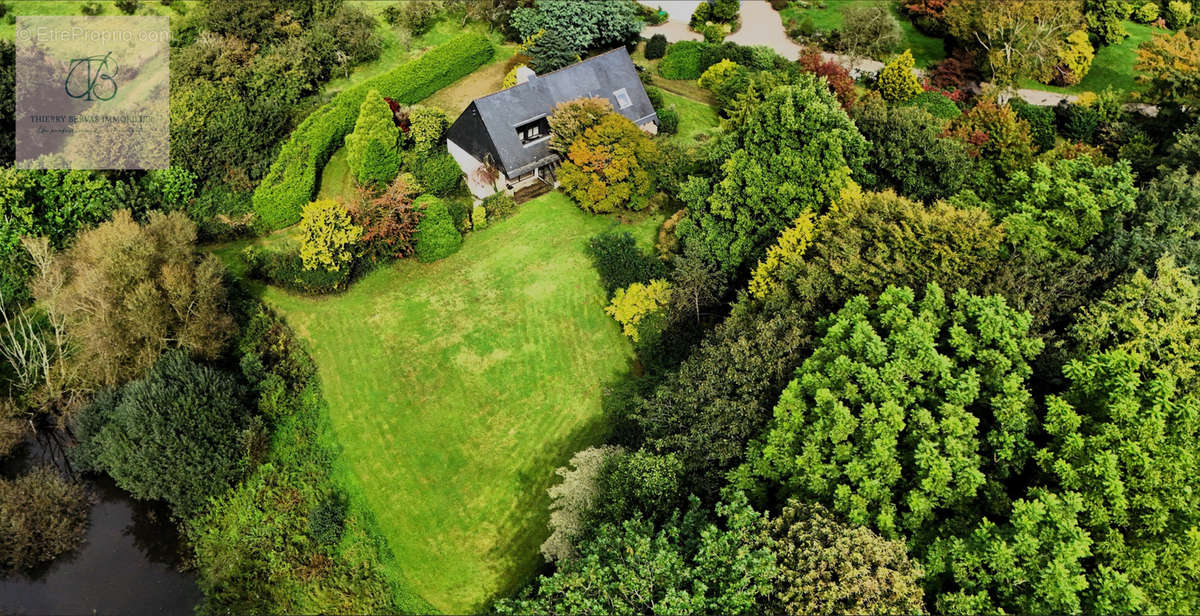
[{"x": 527, "y": 523}]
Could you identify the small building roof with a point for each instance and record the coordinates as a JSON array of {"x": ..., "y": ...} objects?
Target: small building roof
[{"x": 488, "y": 127}]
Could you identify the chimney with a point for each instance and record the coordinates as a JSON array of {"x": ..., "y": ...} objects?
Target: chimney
[{"x": 524, "y": 73}]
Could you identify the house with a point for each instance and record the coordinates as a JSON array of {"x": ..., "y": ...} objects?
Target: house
[{"x": 502, "y": 140}]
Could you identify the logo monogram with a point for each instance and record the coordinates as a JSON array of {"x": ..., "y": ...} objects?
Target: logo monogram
[{"x": 100, "y": 72}]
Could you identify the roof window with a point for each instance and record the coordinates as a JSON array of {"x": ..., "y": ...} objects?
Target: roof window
[{"x": 622, "y": 98}]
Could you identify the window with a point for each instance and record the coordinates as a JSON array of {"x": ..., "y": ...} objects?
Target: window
[
  {"x": 533, "y": 131},
  {"x": 622, "y": 98}
]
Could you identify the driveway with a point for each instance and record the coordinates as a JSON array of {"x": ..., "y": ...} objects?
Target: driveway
[{"x": 762, "y": 25}]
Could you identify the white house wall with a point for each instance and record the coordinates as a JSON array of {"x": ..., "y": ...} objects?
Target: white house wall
[{"x": 471, "y": 166}]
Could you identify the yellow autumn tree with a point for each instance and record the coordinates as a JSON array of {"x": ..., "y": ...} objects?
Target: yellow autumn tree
[
  {"x": 327, "y": 236},
  {"x": 1170, "y": 66},
  {"x": 790, "y": 249},
  {"x": 640, "y": 306},
  {"x": 897, "y": 81}
]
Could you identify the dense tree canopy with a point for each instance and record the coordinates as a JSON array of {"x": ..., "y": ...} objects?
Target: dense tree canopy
[
  {"x": 173, "y": 434},
  {"x": 689, "y": 565},
  {"x": 796, "y": 151},
  {"x": 908, "y": 152},
  {"x": 127, "y": 292},
  {"x": 829, "y": 567},
  {"x": 905, "y": 410}
]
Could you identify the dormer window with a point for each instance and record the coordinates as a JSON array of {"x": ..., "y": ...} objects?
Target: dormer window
[
  {"x": 533, "y": 130},
  {"x": 622, "y": 97}
]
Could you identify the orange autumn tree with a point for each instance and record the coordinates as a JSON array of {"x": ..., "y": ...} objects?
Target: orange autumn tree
[
  {"x": 1170, "y": 66},
  {"x": 607, "y": 166}
]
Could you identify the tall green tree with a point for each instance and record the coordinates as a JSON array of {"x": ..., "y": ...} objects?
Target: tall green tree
[
  {"x": 796, "y": 150},
  {"x": 689, "y": 565},
  {"x": 174, "y": 434},
  {"x": 1126, "y": 436},
  {"x": 908, "y": 152},
  {"x": 907, "y": 413},
  {"x": 372, "y": 150},
  {"x": 579, "y": 26},
  {"x": 1029, "y": 563}
]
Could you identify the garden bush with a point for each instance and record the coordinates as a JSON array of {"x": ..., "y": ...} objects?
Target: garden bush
[
  {"x": 1178, "y": 14},
  {"x": 1077, "y": 122},
  {"x": 1147, "y": 13},
  {"x": 656, "y": 97},
  {"x": 1041, "y": 122},
  {"x": 936, "y": 104},
  {"x": 174, "y": 434},
  {"x": 460, "y": 213},
  {"x": 682, "y": 61},
  {"x": 437, "y": 235},
  {"x": 668, "y": 122},
  {"x": 42, "y": 515},
  {"x": 285, "y": 269},
  {"x": 656, "y": 47},
  {"x": 897, "y": 81},
  {"x": 500, "y": 205},
  {"x": 293, "y": 179},
  {"x": 616, "y": 256},
  {"x": 438, "y": 173},
  {"x": 479, "y": 217},
  {"x": 328, "y": 238}
]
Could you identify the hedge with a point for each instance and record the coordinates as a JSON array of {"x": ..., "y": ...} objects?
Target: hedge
[
  {"x": 293, "y": 179},
  {"x": 682, "y": 61}
]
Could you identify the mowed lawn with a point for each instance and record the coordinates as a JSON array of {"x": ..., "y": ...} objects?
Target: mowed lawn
[{"x": 456, "y": 388}]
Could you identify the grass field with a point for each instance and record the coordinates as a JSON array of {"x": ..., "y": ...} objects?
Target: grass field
[
  {"x": 696, "y": 120},
  {"x": 456, "y": 388},
  {"x": 1113, "y": 65},
  {"x": 73, "y": 8},
  {"x": 397, "y": 51},
  {"x": 926, "y": 50}
]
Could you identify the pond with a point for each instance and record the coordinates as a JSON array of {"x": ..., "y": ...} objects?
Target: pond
[{"x": 127, "y": 564}]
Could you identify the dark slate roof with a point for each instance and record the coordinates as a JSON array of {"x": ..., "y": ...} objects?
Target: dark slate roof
[{"x": 489, "y": 124}]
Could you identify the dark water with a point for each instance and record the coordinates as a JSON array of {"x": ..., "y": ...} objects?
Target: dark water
[{"x": 128, "y": 563}]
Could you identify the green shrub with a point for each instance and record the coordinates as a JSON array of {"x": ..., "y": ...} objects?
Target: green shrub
[
  {"x": 285, "y": 269},
  {"x": 936, "y": 104},
  {"x": 668, "y": 122},
  {"x": 656, "y": 97},
  {"x": 439, "y": 173},
  {"x": 91, "y": 9},
  {"x": 1041, "y": 122},
  {"x": 1178, "y": 15},
  {"x": 327, "y": 520},
  {"x": 1146, "y": 13},
  {"x": 682, "y": 61},
  {"x": 460, "y": 213},
  {"x": 42, "y": 515},
  {"x": 616, "y": 256},
  {"x": 293, "y": 179},
  {"x": 479, "y": 217},
  {"x": 437, "y": 235},
  {"x": 500, "y": 205},
  {"x": 174, "y": 434},
  {"x": 371, "y": 149},
  {"x": 1077, "y": 122},
  {"x": 656, "y": 47},
  {"x": 427, "y": 127}
]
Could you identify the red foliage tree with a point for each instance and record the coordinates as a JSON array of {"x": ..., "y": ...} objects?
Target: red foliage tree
[
  {"x": 839, "y": 79},
  {"x": 388, "y": 219}
]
